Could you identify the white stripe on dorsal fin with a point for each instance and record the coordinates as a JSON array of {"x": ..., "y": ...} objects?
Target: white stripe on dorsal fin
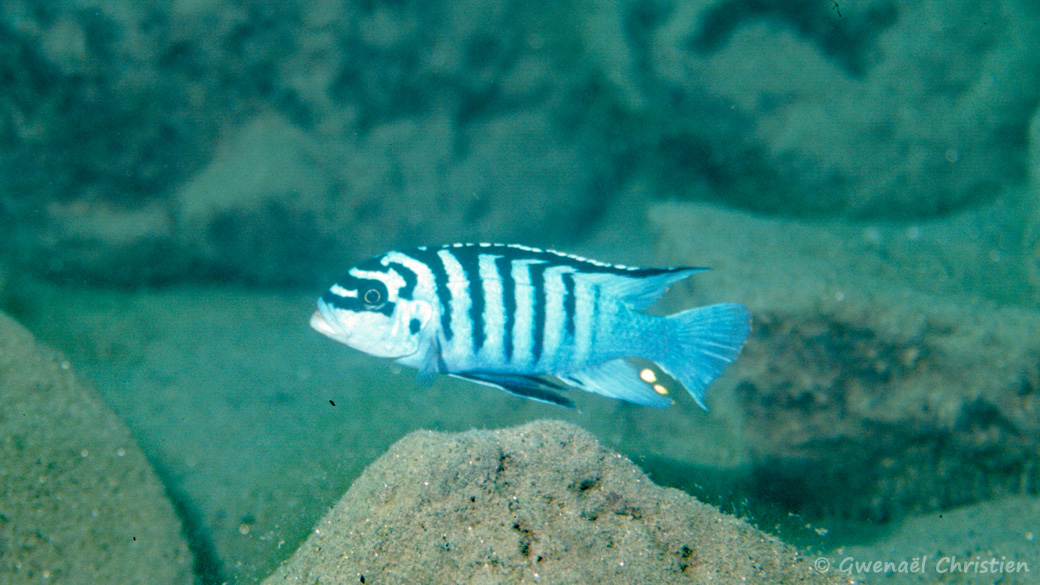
[{"x": 643, "y": 287}]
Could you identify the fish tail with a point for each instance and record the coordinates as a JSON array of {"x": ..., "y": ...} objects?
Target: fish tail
[{"x": 701, "y": 342}]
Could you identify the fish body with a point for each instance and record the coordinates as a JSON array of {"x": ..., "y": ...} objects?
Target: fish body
[{"x": 531, "y": 322}]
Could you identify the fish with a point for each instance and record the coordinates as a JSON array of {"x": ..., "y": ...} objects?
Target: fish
[{"x": 531, "y": 322}]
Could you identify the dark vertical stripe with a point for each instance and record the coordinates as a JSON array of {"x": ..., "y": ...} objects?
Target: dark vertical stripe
[
  {"x": 407, "y": 291},
  {"x": 440, "y": 284},
  {"x": 593, "y": 318},
  {"x": 505, "y": 272},
  {"x": 568, "y": 307},
  {"x": 469, "y": 259},
  {"x": 538, "y": 298}
]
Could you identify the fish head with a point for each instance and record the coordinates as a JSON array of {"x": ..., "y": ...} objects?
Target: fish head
[{"x": 366, "y": 311}]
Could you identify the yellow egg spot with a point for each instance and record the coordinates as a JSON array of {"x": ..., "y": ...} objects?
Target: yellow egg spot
[
  {"x": 660, "y": 390},
  {"x": 647, "y": 375}
]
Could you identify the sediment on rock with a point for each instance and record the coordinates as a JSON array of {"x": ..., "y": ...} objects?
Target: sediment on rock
[
  {"x": 879, "y": 379},
  {"x": 543, "y": 501},
  {"x": 79, "y": 502}
]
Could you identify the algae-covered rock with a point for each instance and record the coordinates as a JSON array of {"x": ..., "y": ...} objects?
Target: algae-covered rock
[
  {"x": 278, "y": 204},
  {"x": 262, "y": 142},
  {"x": 1032, "y": 234},
  {"x": 999, "y": 536},
  {"x": 869, "y": 108},
  {"x": 78, "y": 501},
  {"x": 543, "y": 502},
  {"x": 889, "y": 369},
  {"x": 269, "y": 143}
]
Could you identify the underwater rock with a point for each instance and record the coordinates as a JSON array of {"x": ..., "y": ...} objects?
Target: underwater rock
[
  {"x": 539, "y": 502},
  {"x": 999, "y": 534},
  {"x": 887, "y": 371},
  {"x": 270, "y": 144},
  {"x": 865, "y": 109},
  {"x": 1032, "y": 233},
  {"x": 277, "y": 205},
  {"x": 255, "y": 212},
  {"x": 78, "y": 501},
  {"x": 106, "y": 107},
  {"x": 102, "y": 102},
  {"x": 423, "y": 122}
]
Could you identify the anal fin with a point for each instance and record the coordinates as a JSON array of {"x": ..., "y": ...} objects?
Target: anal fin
[
  {"x": 532, "y": 387},
  {"x": 618, "y": 379}
]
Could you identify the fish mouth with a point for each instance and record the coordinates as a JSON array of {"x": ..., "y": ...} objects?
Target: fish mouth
[
  {"x": 326, "y": 322},
  {"x": 321, "y": 324}
]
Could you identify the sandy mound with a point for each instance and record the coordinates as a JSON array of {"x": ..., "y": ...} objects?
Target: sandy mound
[
  {"x": 542, "y": 502},
  {"x": 78, "y": 501}
]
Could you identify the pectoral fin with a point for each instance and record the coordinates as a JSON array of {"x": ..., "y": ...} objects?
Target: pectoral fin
[{"x": 432, "y": 362}]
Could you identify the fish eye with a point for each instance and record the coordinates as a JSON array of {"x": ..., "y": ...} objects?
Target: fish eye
[{"x": 372, "y": 298}]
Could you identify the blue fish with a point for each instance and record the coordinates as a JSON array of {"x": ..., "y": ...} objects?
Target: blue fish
[{"x": 531, "y": 322}]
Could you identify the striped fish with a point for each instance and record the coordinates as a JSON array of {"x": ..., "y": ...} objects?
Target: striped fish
[{"x": 531, "y": 322}]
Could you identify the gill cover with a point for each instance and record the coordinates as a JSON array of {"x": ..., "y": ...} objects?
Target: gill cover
[{"x": 365, "y": 312}]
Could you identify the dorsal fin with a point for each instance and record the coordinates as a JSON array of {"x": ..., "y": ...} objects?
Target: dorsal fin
[{"x": 640, "y": 288}]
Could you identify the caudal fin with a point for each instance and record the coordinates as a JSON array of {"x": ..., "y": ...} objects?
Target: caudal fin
[{"x": 701, "y": 342}]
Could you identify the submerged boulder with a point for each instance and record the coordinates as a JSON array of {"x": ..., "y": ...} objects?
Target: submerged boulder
[
  {"x": 540, "y": 502},
  {"x": 892, "y": 367},
  {"x": 1031, "y": 257},
  {"x": 78, "y": 501},
  {"x": 879, "y": 109}
]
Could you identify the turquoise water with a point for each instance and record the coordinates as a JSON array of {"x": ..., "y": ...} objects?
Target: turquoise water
[{"x": 178, "y": 185}]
